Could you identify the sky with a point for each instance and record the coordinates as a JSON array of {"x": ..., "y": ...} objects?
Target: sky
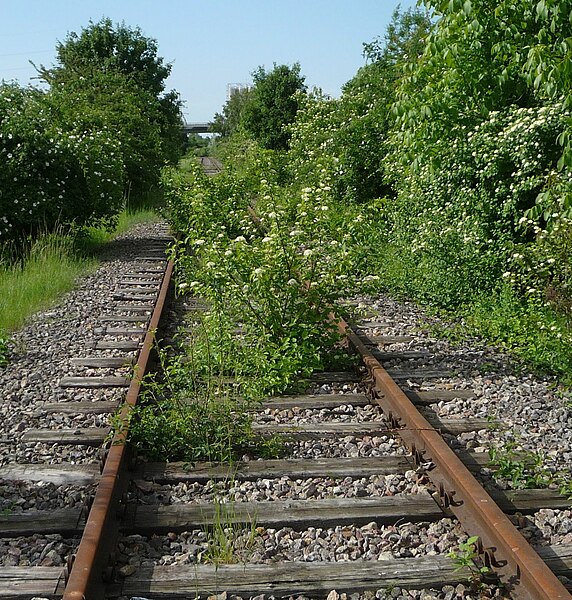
[{"x": 210, "y": 43}]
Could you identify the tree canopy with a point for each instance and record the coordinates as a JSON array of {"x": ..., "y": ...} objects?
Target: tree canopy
[
  {"x": 118, "y": 71},
  {"x": 230, "y": 120},
  {"x": 103, "y": 46},
  {"x": 273, "y": 105}
]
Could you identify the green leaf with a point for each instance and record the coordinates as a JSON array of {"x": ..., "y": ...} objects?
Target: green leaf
[{"x": 542, "y": 10}]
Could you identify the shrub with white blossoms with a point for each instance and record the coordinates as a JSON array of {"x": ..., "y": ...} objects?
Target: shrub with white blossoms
[
  {"x": 455, "y": 228},
  {"x": 52, "y": 172},
  {"x": 277, "y": 276}
]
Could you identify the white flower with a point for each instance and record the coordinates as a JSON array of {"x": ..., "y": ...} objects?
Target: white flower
[
  {"x": 266, "y": 240},
  {"x": 199, "y": 242},
  {"x": 308, "y": 252},
  {"x": 240, "y": 238},
  {"x": 292, "y": 282}
]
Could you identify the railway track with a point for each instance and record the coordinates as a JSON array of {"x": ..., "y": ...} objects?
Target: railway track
[
  {"x": 211, "y": 166},
  {"x": 351, "y": 509}
]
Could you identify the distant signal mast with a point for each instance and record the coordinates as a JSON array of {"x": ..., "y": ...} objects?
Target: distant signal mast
[{"x": 234, "y": 88}]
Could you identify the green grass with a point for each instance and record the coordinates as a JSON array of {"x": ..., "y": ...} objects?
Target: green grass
[
  {"x": 96, "y": 238},
  {"x": 50, "y": 269},
  {"x": 536, "y": 333}
]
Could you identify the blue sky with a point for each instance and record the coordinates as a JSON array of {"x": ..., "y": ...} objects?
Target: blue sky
[{"x": 211, "y": 43}]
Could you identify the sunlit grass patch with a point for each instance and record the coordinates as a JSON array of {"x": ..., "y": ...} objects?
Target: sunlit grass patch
[
  {"x": 51, "y": 266},
  {"x": 49, "y": 269}
]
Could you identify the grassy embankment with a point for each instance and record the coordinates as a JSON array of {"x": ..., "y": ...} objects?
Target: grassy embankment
[{"x": 50, "y": 268}]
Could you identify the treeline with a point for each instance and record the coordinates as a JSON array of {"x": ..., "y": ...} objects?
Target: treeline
[
  {"x": 454, "y": 138},
  {"x": 98, "y": 131}
]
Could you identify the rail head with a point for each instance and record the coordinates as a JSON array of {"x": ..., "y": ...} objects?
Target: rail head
[
  {"x": 501, "y": 545},
  {"x": 90, "y": 570}
]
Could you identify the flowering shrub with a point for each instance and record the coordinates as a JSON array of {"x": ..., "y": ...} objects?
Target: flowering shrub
[
  {"x": 51, "y": 171},
  {"x": 341, "y": 141},
  {"x": 460, "y": 225},
  {"x": 277, "y": 277}
]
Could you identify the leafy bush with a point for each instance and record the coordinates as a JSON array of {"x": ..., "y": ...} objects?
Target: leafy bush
[
  {"x": 102, "y": 130},
  {"x": 277, "y": 278},
  {"x": 53, "y": 172},
  {"x": 463, "y": 226}
]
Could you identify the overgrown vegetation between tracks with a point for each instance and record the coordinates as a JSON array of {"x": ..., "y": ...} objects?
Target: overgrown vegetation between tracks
[
  {"x": 188, "y": 414},
  {"x": 455, "y": 138},
  {"x": 441, "y": 174},
  {"x": 270, "y": 282}
]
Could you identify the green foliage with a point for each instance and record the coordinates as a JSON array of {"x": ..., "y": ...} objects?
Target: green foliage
[
  {"x": 197, "y": 429},
  {"x": 229, "y": 540},
  {"x": 48, "y": 268},
  {"x": 477, "y": 60},
  {"x": 230, "y": 121},
  {"x": 404, "y": 39},
  {"x": 48, "y": 163},
  {"x": 272, "y": 105},
  {"x": 467, "y": 558},
  {"x": 277, "y": 278},
  {"x": 101, "y": 132},
  {"x": 116, "y": 69},
  {"x": 461, "y": 228},
  {"x": 103, "y": 47},
  {"x": 181, "y": 420},
  {"x": 347, "y": 137},
  {"x": 532, "y": 330},
  {"x": 523, "y": 469},
  {"x": 4, "y": 350}
]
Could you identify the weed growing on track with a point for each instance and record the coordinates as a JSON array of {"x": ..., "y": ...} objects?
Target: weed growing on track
[
  {"x": 527, "y": 469},
  {"x": 230, "y": 540},
  {"x": 3, "y": 349},
  {"x": 185, "y": 416},
  {"x": 466, "y": 559},
  {"x": 276, "y": 280}
]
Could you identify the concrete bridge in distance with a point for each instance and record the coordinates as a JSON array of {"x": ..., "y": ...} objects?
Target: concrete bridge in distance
[{"x": 195, "y": 128}]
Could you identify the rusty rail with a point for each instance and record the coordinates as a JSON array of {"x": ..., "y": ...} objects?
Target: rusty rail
[
  {"x": 92, "y": 566},
  {"x": 501, "y": 545}
]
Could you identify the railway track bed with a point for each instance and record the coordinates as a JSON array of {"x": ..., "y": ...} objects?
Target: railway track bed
[{"x": 351, "y": 510}]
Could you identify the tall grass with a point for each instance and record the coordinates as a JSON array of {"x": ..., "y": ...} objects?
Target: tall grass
[
  {"x": 49, "y": 269},
  {"x": 51, "y": 266},
  {"x": 96, "y": 238}
]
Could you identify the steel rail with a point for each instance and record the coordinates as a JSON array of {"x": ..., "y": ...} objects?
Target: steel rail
[
  {"x": 501, "y": 545},
  {"x": 90, "y": 567}
]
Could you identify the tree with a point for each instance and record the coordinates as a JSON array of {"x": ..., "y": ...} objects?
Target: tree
[
  {"x": 104, "y": 47},
  {"x": 273, "y": 105},
  {"x": 117, "y": 70},
  {"x": 231, "y": 118},
  {"x": 404, "y": 39}
]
